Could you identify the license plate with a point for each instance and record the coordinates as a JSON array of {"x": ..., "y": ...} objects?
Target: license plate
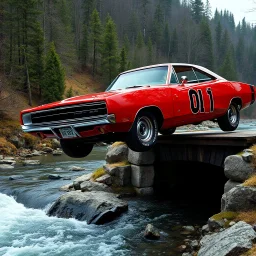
[{"x": 67, "y": 132}]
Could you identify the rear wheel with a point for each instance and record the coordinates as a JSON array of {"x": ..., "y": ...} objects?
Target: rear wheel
[
  {"x": 168, "y": 131},
  {"x": 230, "y": 121},
  {"x": 144, "y": 131},
  {"x": 76, "y": 148}
]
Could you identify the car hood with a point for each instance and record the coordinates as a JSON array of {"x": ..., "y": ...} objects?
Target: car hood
[{"x": 74, "y": 100}]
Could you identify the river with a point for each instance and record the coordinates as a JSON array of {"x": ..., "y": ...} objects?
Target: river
[{"x": 26, "y": 230}]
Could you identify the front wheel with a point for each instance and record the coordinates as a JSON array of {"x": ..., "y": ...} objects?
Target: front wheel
[
  {"x": 144, "y": 131},
  {"x": 230, "y": 121},
  {"x": 76, "y": 148}
]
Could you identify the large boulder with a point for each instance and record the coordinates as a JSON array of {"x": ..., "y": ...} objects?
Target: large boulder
[
  {"x": 236, "y": 169},
  {"x": 117, "y": 152},
  {"x": 239, "y": 198},
  {"x": 230, "y": 184},
  {"x": 141, "y": 158},
  {"x": 93, "y": 207},
  {"x": 94, "y": 186},
  {"x": 232, "y": 241}
]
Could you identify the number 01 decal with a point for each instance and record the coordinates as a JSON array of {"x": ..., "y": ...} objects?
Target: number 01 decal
[{"x": 197, "y": 101}]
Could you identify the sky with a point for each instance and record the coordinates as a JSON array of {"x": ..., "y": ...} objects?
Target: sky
[{"x": 240, "y": 9}]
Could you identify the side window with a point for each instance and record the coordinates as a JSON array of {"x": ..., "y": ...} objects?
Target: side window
[
  {"x": 174, "y": 79},
  {"x": 186, "y": 71},
  {"x": 203, "y": 77}
]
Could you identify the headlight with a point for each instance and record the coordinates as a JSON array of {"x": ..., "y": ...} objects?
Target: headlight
[{"x": 26, "y": 118}]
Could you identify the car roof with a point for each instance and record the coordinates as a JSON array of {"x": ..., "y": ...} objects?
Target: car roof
[{"x": 206, "y": 70}]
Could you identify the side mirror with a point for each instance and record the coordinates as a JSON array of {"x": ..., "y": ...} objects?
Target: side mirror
[{"x": 184, "y": 79}]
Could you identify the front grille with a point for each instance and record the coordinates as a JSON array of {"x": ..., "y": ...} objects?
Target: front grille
[{"x": 70, "y": 113}]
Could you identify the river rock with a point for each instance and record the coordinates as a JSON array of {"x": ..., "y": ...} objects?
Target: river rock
[
  {"x": 95, "y": 207},
  {"x": 57, "y": 152},
  {"x": 105, "y": 179},
  {"x": 236, "y": 169},
  {"x": 54, "y": 177},
  {"x": 76, "y": 169},
  {"x": 230, "y": 184},
  {"x": 239, "y": 198},
  {"x": 151, "y": 232},
  {"x": 116, "y": 153},
  {"x": 11, "y": 162},
  {"x": 84, "y": 177},
  {"x": 6, "y": 167},
  {"x": 67, "y": 187},
  {"x": 16, "y": 177},
  {"x": 232, "y": 241},
  {"x": 94, "y": 186},
  {"x": 31, "y": 162}
]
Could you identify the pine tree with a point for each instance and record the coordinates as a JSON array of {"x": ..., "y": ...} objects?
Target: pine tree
[
  {"x": 110, "y": 50},
  {"x": 95, "y": 38},
  {"x": 228, "y": 69},
  {"x": 174, "y": 45},
  {"x": 206, "y": 49},
  {"x": 208, "y": 10},
  {"x": 70, "y": 92},
  {"x": 53, "y": 85},
  {"x": 123, "y": 60},
  {"x": 150, "y": 52},
  {"x": 218, "y": 36},
  {"x": 197, "y": 9},
  {"x": 84, "y": 51}
]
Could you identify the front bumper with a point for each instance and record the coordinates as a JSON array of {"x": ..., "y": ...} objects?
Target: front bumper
[{"x": 52, "y": 129}]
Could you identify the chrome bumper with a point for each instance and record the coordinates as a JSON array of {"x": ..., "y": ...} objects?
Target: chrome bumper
[{"x": 41, "y": 128}]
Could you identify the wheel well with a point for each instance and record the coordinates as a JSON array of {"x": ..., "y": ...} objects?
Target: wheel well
[
  {"x": 157, "y": 112},
  {"x": 238, "y": 101}
]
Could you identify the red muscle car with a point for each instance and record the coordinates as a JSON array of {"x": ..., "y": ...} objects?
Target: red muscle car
[{"x": 138, "y": 105}]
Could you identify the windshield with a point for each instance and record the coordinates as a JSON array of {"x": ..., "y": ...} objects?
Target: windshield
[{"x": 142, "y": 77}]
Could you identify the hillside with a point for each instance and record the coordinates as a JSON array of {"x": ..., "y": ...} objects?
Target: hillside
[{"x": 13, "y": 101}]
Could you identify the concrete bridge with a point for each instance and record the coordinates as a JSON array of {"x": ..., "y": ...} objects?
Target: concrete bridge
[{"x": 211, "y": 147}]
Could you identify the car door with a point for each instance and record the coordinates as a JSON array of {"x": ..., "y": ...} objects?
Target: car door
[{"x": 193, "y": 100}]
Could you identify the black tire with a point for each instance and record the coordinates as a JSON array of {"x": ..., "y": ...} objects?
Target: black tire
[
  {"x": 144, "y": 131},
  {"x": 76, "y": 148},
  {"x": 168, "y": 131},
  {"x": 230, "y": 121}
]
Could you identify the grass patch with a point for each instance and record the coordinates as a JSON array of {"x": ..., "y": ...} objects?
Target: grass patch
[
  {"x": 248, "y": 216},
  {"x": 98, "y": 173},
  {"x": 6, "y": 147},
  {"x": 118, "y": 143},
  {"x": 119, "y": 164},
  {"x": 9, "y": 128},
  {"x": 251, "y": 252},
  {"x": 228, "y": 216},
  {"x": 251, "y": 182},
  {"x": 30, "y": 140},
  {"x": 253, "y": 148}
]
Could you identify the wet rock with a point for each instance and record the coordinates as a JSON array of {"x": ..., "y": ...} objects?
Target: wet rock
[
  {"x": 116, "y": 153},
  {"x": 94, "y": 207},
  {"x": 232, "y": 241},
  {"x": 230, "y": 184},
  {"x": 145, "y": 191},
  {"x": 76, "y": 185},
  {"x": 151, "y": 232},
  {"x": 105, "y": 179},
  {"x": 84, "y": 177},
  {"x": 205, "y": 229},
  {"x": 94, "y": 186},
  {"x": 66, "y": 178},
  {"x": 6, "y": 161},
  {"x": 215, "y": 224},
  {"x": 31, "y": 162},
  {"x": 16, "y": 177},
  {"x": 247, "y": 157},
  {"x": 240, "y": 198},
  {"x": 36, "y": 153},
  {"x": 66, "y": 188},
  {"x": 188, "y": 230},
  {"x": 57, "y": 152},
  {"x": 47, "y": 150},
  {"x": 54, "y": 177},
  {"x": 236, "y": 169},
  {"x": 76, "y": 169},
  {"x": 6, "y": 167},
  {"x": 182, "y": 248}
]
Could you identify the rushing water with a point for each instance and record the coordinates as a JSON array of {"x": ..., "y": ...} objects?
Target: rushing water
[{"x": 26, "y": 230}]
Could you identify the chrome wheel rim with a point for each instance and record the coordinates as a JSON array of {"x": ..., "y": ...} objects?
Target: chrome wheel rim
[
  {"x": 145, "y": 129},
  {"x": 232, "y": 115}
]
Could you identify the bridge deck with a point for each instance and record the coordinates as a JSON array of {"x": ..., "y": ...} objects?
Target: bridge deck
[{"x": 211, "y": 137}]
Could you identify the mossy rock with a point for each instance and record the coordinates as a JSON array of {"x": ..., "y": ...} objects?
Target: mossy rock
[{"x": 98, "y": 173}]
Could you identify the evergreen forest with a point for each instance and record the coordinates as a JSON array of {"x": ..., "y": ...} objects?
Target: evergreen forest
[{"x": 42, "y": 41}]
